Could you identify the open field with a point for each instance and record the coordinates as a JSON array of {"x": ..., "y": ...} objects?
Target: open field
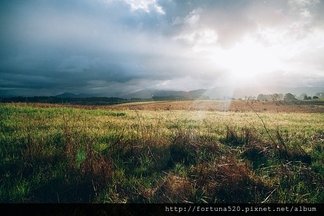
[
  {"x": 162, "y": 152},
  {"x": 234, "y": 106},
  {"x": 207, "y": 105}
]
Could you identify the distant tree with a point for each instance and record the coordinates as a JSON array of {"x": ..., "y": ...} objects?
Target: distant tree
[
  {"x": 289, "y": 97},
  {"x": 315, "y": 98},
  {"x": 277, "y": 97},
  {"x": 260, "y": 97},
  {"x": 307, "y": 97}
]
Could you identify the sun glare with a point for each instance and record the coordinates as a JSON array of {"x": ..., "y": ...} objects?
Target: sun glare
[{"x": 246, "y": 60}]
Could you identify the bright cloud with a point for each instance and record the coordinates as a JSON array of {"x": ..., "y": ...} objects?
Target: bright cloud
[{"x": 145, "y": 5}]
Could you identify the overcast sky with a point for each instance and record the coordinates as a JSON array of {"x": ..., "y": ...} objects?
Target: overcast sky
[{"x": 114, "y": 47}]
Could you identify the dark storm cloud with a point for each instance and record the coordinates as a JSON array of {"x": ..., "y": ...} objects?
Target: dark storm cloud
[
  {"x": 68, "y": 44},
  {"x": 114, "y": 46}
]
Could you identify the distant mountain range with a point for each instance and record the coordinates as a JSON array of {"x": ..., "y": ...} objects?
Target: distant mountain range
[
  {"x": 156, "y": 94},
  {"x": 71, "y": 95},
  {"x": 67, "y": 98},
  {"x": 167, "y": 94}
]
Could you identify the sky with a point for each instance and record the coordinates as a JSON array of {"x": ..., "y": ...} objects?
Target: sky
[{"x": 117, "y": 47}]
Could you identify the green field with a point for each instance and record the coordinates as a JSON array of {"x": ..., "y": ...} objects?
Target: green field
[{"x": 66, "y": 154}]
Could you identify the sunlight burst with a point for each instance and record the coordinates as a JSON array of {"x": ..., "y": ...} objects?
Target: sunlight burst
[{"x": 248, "y": 59}]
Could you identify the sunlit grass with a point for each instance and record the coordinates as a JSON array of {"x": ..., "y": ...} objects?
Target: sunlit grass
[{"x": 61, "y": 154}]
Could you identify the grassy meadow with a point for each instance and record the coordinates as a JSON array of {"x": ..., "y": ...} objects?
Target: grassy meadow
[{"x": 73, "y": 154}]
